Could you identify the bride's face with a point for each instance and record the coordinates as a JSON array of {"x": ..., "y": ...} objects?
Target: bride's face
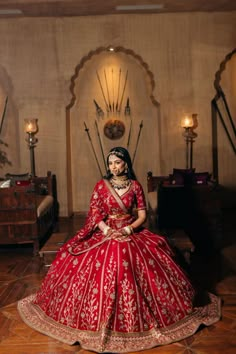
[{"x": 116, "y": 165}]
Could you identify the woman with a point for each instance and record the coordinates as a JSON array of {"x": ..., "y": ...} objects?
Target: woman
[{"x": 115, "y": 286}]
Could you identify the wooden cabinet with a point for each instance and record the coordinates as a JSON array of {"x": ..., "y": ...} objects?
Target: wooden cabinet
[
  {"x": 28, "y": 212},
  {"x": 195, "y": 209}
]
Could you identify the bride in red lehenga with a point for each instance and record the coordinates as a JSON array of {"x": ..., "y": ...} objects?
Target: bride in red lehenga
[{"x": 115, "y": 286}]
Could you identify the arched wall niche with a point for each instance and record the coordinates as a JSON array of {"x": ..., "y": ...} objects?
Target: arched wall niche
[
  {"x": 224, "y": 121},
  {"x": 9, "y": 126},
  {"x": 112, "y": 79}
]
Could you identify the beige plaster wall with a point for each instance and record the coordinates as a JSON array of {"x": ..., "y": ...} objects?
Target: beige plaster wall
[{"x": 38, "y": 57}]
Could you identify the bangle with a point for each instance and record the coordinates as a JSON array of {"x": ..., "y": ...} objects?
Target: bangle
[
  {"x": 131, "y": 229},
  {"x": 105, "y": 230},
  {"x": 128, "y": 230}
]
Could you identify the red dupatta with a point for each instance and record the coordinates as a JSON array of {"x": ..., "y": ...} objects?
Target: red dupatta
[{"x": 92, "y": 221}]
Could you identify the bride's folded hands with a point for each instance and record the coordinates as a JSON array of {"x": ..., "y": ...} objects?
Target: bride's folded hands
[
  {"x": 118, "y": 235},
  {"x": 122, "y": 234}
]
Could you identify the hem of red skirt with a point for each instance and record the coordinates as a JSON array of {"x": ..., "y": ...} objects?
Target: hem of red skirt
[{"x": 105, "y": 340}]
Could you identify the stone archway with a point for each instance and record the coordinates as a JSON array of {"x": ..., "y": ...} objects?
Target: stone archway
[{"x": 79, "y": 87}]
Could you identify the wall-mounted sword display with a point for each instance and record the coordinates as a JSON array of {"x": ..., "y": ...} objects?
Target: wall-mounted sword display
[
  {"x": 127, "y": 108},
  {"x": 101, "y": 147},
  {"x": 118, "y": 92},
  {"x": 113, "y": 100},
  {"x": 123, "y": 92},
  {"x": 137, "y": 142},
  {"x": 99, "y": 111},
  {"x": 113, "y": 91},
  {"x": 91, "y": 143},
  {"x": 130, "y": 127},
  {"x": 108, "y": 95},
  {"x": 102, "y": 90}
]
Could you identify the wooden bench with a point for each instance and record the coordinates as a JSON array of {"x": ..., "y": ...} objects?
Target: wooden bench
[{"x": 49, "y": 250}]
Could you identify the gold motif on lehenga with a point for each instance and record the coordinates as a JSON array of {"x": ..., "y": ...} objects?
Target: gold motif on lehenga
[
  {"x": 98, "y": 265},
  {"x": 108, "y": 308},
  {"x": 151, "y": 262},
  {"x": 125, "y": 264},
  {"x": 90, "y": 306},
  {"x": 128, "y": 306}
]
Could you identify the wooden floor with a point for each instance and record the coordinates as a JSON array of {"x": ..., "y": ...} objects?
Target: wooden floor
[{"x": 21, "y": 274}]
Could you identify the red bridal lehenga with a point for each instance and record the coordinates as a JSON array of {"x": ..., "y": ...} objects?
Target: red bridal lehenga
[{"x": 113, "y": 296}]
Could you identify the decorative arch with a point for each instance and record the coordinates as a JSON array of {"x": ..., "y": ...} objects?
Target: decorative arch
[
  {"x": 225, "y": 118},
  {"x": 219, "y": 72},
  {"x": 74, "y": 77},
  {"x": 116, "y": 49}
]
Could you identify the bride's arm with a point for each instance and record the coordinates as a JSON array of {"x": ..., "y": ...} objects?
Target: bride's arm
[
  {"x": 103, "y": 227},
  {"x": 142, "y": 215}
]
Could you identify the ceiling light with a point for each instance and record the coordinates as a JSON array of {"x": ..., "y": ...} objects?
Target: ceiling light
[
  {"x": 10, "y": 12},
  {"x": 139, "y": 7}
]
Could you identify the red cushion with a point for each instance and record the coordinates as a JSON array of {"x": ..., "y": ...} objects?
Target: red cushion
[
  {"x": 177, "y": 179},
  {"x": 22, "y": 183},
  {"x": 182, "y": 176},
  {"x": 200, "y": 178}
]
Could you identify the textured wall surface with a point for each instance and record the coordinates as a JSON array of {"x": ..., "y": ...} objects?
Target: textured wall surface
[{"x": 182, "y": 51}]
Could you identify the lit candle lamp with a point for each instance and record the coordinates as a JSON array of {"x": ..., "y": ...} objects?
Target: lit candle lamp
[
  {"x": 31, "y": 128},
  {"x": 187, "y": 122},
  {"x": 31, "y": 125}
]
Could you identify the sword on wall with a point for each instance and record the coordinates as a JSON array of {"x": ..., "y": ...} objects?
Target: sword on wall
[
  {"x": 122, "y": 96},
  {"x": 102, "y": 90},
  {"x": 95, "y": 155},
  {"x": 139, "y": 133},
  {"x": 100, "y": 143}
]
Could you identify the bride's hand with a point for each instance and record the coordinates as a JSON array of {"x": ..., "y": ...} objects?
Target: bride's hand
[{"x": 120, "y": 235}]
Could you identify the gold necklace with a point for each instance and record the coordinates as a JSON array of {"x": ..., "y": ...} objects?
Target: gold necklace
[{"x": 120, "y": 182}]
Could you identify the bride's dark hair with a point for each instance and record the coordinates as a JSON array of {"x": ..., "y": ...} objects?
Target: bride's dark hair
[{"x": 124, "y": 155}]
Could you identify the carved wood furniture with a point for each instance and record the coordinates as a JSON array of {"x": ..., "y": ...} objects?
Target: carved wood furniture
[
  {"x": 28, "y": 212},
  {"x": 153, "y": 183},
  {"x": 194, "y": 208}
]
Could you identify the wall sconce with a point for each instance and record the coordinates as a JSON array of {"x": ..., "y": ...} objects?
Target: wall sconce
[
  {"x": 31, "y": 128},
  {"x": 189, "y": 124}
]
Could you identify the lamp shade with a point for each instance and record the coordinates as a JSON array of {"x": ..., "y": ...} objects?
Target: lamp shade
[
  {"x": 31, "y": 125},
  {"x": 187, "y": 122}
]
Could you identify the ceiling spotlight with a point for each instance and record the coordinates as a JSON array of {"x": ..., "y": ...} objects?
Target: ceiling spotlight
[
  {"x": 139, "y": 7},
  {"x": 11, "y": 12}
]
